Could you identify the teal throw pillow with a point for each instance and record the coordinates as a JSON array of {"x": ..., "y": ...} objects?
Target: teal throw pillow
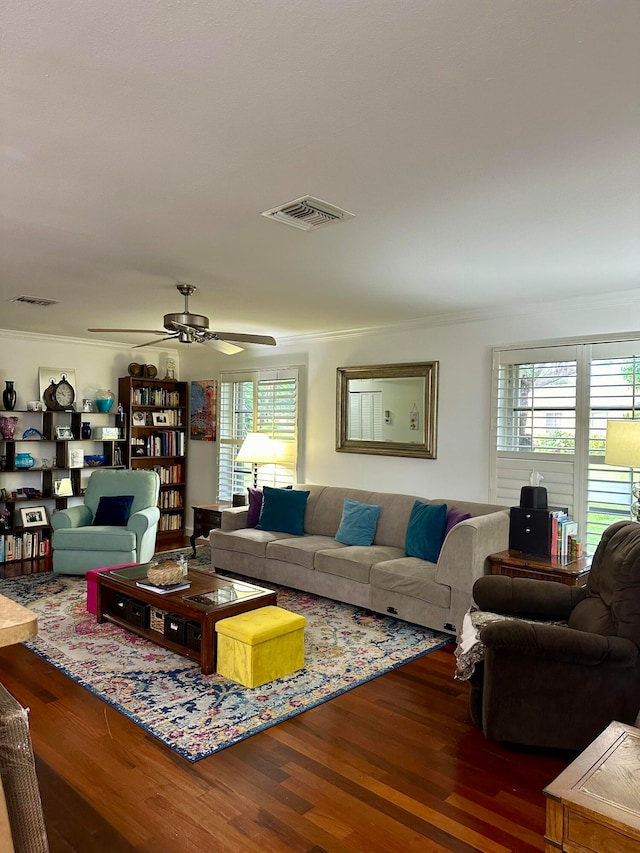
[
  {"x": 113, "y": 510},
  {"x": 358, "y": 523},
  {"x": 282, "y": 510},
  {"x": 425, "y": 531}
]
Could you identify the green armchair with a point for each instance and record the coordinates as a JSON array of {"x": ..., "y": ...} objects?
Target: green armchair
[{"x": 127, "y": 521}]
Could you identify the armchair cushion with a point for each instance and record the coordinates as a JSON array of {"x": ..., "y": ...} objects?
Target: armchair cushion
[{"x": 113, "y": 510}]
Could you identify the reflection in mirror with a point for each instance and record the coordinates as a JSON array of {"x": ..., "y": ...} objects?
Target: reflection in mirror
[{"x": 388, "y": 409}]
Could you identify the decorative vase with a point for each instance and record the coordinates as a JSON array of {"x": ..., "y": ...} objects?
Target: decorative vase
[
  {"x": 9, "y": 396},
  {"x": 85, "y": 432},
  {"x": 8, "y": 426},
  {"x": 104, "y": 400},
  {"x": 24, "y": 460}
]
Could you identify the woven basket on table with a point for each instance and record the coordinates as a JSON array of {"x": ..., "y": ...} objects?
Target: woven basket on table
[{"x": 165, "y": 574}]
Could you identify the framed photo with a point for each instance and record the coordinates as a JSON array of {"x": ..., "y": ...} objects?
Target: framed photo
[
  {"x": 33, "y": 516},
  {"x": 64, "y": 432},
  {"x": 160, "y": 419},
  {"x": 137, "y": 419}
]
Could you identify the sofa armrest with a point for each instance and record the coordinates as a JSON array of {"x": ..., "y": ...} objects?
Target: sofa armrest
[
  {"x": 557, "y": 643},
  {"x": 74, "y": 516},
  {"x": 544, "y": 600},
  {"x": 463, "y": 557},
  {"x": 234, "y": 518}
]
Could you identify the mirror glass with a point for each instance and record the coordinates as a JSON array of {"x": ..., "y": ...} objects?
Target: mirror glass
[{"x": 388, "y": 409}]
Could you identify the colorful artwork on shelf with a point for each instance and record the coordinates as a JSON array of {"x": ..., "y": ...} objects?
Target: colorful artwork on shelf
[{"x": 204, "y": 396}]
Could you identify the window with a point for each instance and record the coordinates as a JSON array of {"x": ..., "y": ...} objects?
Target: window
[
  {"x": 550, "y": 411},
  {"x": 263, "y": 401}
]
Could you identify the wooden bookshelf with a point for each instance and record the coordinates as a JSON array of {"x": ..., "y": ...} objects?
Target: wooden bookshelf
[{"x": 156, "y": 419}]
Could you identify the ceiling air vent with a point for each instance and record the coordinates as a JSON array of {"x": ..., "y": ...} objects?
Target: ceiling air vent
[
  {"x": 35, "y": 300},
  {"x": 307, "y": 213}
]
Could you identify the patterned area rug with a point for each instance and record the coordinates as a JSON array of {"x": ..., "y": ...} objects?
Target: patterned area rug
[{"x": 198, "y": 715}]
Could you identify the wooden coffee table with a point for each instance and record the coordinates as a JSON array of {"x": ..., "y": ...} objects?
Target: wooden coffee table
[{"x": 219, "y": 598}]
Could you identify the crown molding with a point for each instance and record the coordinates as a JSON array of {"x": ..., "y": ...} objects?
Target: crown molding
[{"x": 40, "y": 338}]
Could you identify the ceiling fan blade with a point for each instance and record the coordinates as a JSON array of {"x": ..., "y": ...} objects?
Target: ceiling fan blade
[
  {"x": 133, "y": 331},
  {"x": 267, "y": 340},
  {"x": 222, "y": 346},
  {"x": 159, "y": 341}
]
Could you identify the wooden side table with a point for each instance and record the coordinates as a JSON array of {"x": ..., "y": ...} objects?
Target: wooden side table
[
  {"x": 515, "y": 564},
  {"x": 594, "y": 805},
  {"x": 205, "y": 518}
]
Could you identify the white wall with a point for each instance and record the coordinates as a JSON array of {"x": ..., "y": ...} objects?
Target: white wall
[{"x": 463, "y": 350}]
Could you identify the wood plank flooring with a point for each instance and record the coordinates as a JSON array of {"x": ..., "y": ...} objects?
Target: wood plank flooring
[{"x": 393, "y": 765}]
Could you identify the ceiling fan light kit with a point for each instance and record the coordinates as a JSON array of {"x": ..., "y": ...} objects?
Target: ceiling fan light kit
[{"x": 188, "y": 328}]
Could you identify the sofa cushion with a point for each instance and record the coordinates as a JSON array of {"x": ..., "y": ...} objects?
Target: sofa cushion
[
  {"x": 113, "y": 510},
  {"x": 247, "y": 540},
  {"x": 412, "y": 577},
  {"x": 300, "y": 550},
  {"x": 358, "y": 523},
  {"x": 354, "y": 561},
  {"x": 283, "y": 510},
  {"x": 425, "y": 531}
]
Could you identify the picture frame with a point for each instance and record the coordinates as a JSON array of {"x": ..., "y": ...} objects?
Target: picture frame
[
  {"x": 138, "y": 419},
  {"x": 34, "y": 516},
  {"x": 160, "y": 419},
  {"x": 64, "y": 433},
  {"x": 63, "y": 488}
]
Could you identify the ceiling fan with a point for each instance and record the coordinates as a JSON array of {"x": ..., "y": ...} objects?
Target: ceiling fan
[{"x": 187, "y": 328}]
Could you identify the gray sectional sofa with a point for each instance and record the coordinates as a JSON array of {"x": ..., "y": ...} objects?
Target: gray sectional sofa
[{"x": 380, "y": 576}]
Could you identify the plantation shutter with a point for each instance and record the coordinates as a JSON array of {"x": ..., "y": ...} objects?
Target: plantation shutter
[
  {"x": 614, "y": 395},
  {"x": 365, "y": 415},
  {"x": 257, "y": 401},
  {"x": 534, "y": 425}
]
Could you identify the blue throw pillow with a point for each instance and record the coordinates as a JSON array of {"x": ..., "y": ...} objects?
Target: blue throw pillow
[
  {"x": 283, "y": 510},
  {"x": 425, "y": 531},
  {"x": 113, "y": 510},
  {"x": 358, "y": 523}
]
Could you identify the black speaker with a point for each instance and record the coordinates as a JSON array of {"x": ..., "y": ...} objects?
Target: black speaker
[{"x": 533, "y": 497}]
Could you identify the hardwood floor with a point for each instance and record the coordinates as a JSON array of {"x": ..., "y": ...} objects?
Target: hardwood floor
[{"x": 393, "y": 765}]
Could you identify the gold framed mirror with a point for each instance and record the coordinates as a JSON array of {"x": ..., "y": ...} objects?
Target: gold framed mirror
[{"x": 388, "y": 409}]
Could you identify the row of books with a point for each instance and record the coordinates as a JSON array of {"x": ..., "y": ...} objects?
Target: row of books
[
  {"x": 564, "y": 536},
  {"x": 168, "y": 473},
  {"x": 170, "y": 499},
  {"x": 26, "y": 545},
  {"x": 171, "y": 522},
  {"x": 155, "y": 397},
  {"x": 169, "y": 443}
]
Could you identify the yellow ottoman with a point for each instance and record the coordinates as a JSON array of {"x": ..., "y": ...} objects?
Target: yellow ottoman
[{"x": 260, "y": 646}]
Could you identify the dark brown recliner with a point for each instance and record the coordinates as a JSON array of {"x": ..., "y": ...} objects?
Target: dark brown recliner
[{"x": 552, "y": 686}]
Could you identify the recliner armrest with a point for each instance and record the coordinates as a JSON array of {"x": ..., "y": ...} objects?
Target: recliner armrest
[
  {"x": 74, "y": 516},
  {"x": 557, "y": 643},
  {"x": 545, "y": 600},
  {"x": 139, "y": 522}
]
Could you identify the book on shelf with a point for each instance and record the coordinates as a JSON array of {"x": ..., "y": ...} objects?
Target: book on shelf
[{"x": 163, "y": 590}]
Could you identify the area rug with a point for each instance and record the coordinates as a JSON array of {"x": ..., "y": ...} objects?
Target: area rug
[{"x": 198, "y": 715}]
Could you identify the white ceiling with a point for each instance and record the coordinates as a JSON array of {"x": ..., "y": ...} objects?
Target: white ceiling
[{"x": 489, "y": 149}]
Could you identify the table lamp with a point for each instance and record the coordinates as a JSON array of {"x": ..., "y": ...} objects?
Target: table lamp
[
  {"x": 623, "y": 450},
  {"x": 258, "y": 449}
]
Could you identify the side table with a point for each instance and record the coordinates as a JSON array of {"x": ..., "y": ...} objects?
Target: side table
[
  {"x": 515, "y": 564},
  {"x": 205, "y": 518},
  {"x": 594, "y": 805}
]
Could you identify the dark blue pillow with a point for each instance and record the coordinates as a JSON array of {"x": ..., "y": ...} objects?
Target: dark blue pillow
[
  {"x": 358, "y": 523},
  {"x": 283, "y": 510},
  {"x": 425, "y": 531},
  {"x": 113, "y": 510}
]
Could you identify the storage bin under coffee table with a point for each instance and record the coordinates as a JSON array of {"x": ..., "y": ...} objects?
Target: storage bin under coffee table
[{"x": 209, "y": 598}]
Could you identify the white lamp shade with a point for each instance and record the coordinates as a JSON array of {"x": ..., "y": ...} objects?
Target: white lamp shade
[
  {"x": 623, "y": 444},
  {"x": 258, "y": 449}
]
